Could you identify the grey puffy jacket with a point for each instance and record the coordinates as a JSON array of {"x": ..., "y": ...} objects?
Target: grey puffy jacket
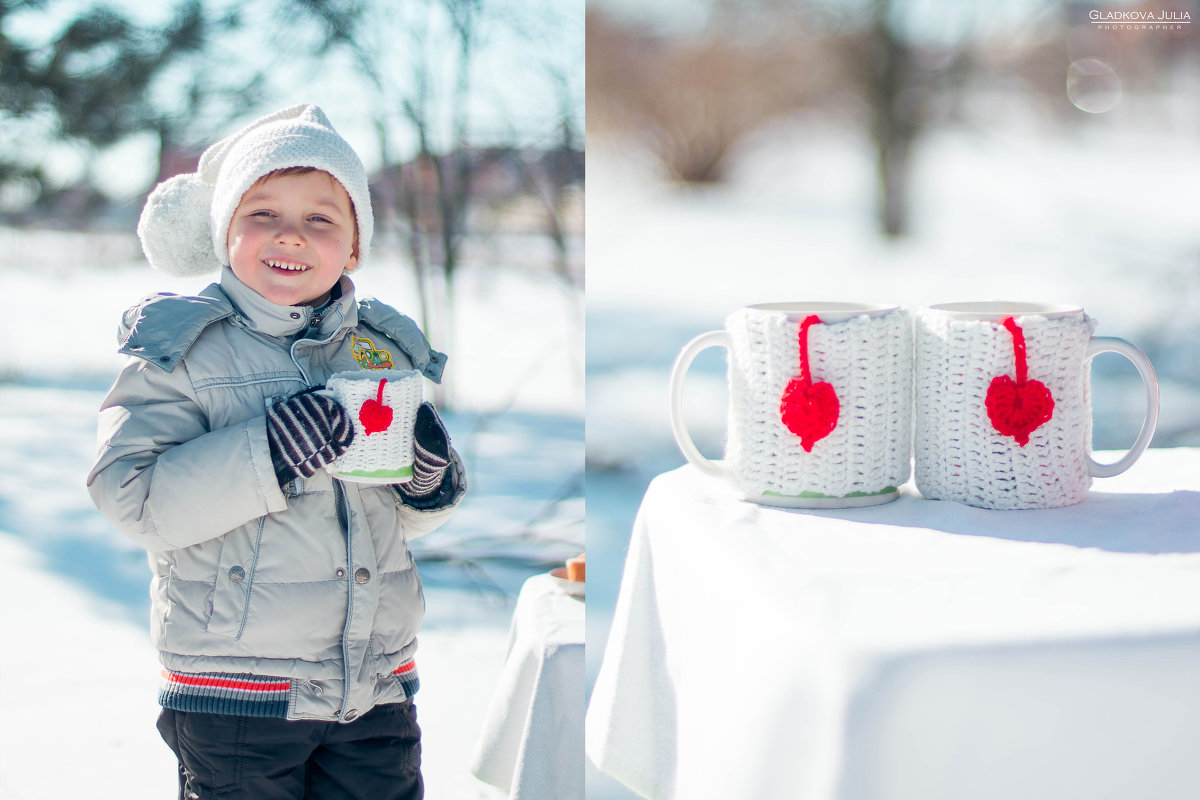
[{"x": 313, "y": 581}]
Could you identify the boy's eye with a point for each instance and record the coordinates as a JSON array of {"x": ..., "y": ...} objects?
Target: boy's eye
[
  {"x": 319, "y": 218},
  {"x": 262, "y": 214}
]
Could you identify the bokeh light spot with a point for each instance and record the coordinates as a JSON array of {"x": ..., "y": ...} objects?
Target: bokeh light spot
[{"x": 1093, "y": 86}]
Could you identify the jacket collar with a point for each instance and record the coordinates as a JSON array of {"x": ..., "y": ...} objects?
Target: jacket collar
[{"x": 258, "y": 313}]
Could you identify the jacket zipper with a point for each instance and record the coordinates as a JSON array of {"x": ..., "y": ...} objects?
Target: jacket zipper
[
  {"x": 343, "y": 518},
  {"x": 313, "y": 324}
]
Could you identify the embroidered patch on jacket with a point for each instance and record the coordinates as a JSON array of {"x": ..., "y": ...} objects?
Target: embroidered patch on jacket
[{"x": 364, "y": 352}]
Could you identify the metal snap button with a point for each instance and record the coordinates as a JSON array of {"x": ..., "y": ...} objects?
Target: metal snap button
[
  {"x": 295, "y": 315},
  {"x": 352, "y": 714},
  {"x": 362, "y": 575},
  {"x": 237, "y": 574},
  {"x": 341, "y": 573}
]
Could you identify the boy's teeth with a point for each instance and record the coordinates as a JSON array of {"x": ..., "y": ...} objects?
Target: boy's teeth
[{"x": 287, "y": 265}]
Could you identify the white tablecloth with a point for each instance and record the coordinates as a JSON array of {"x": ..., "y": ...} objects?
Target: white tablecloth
[
  {"x": 531, "y": 744},
  {"x": 917, "y": 649}
]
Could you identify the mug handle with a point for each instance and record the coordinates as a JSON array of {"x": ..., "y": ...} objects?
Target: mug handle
[
  {"x": 1111, "y": 344},
  {"x": 682, "y": 438}
]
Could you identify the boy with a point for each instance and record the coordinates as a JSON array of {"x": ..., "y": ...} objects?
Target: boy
[{"x": 285, "y": 602}]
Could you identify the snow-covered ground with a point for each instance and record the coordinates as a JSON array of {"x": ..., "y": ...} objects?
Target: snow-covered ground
[
  {"x": 78, "y": 676},
  {"x": 1102, "y": 214}
]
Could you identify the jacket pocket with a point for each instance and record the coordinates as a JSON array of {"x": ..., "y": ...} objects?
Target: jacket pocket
[{"x": 234, "y": 581}]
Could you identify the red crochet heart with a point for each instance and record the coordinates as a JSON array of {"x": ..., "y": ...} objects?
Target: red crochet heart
[
  {"x": 809, "y": 410},
  {"x": 1017, "y": 410},
  {"x": 374, "y": 415}
]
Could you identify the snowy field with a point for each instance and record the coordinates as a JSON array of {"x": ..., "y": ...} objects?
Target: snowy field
[
  {"x": 1101, "y": 215},
  {"x": 78, "y": 676}
]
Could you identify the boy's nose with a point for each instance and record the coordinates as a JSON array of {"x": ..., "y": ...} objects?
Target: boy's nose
[{"x": 288, "y": 233}]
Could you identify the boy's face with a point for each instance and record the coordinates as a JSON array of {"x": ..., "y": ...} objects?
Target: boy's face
[{"x": 292, "y": 236}]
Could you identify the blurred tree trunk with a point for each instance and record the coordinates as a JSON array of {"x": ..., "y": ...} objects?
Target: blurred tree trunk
[
  {"x": 454, "y": 178},
  {"x": 896, "y": 102},
  {"x": 562, "y": 176},
  {"x": 548, "y": 177}
]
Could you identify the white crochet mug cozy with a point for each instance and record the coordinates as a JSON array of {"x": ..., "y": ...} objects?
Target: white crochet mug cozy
[
  {"x": 820, "y": 403},
  {"x": 1003, "y": 414},
  {"x": 382, "y": 405}
]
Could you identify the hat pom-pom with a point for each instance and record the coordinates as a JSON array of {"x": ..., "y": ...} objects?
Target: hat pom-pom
[{"x": 174, "y": 227}]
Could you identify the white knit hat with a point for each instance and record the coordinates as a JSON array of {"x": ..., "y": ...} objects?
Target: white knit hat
[{"x": 185, "y": 221}]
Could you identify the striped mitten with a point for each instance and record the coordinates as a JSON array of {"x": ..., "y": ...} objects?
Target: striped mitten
[
  {"x": 307, "y": 431},
  {"x": 431, "y": 445}
]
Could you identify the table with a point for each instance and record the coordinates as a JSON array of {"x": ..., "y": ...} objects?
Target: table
[
  {"x": 919, "y": 649},
  {"x": 531, "y": 743}
]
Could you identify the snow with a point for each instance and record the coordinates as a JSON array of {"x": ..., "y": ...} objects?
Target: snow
[
  {"x": 78, "y": 675},
  {"x": 1100, "y": 214}
]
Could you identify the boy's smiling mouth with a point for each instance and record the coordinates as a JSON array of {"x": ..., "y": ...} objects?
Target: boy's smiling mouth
[{"x": 289, "y": 266}]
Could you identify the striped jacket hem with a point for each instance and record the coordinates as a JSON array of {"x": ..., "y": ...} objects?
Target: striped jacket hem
[{"x": 245, "y": 695}]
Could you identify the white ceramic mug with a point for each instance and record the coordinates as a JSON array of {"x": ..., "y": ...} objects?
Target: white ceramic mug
[
  {"x": 819, "y": 403},
  {"x": 1003, "y": 414},
  {"x": 382, "y": 405}
]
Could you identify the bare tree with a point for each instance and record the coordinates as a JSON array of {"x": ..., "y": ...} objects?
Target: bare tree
[
  {"x": 691, "y": 100},
  {"x": 435, "y": 44},
  {"x": 549, "y": 179}
]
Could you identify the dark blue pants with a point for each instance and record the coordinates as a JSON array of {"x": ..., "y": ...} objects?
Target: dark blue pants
[{"x": 378, "y": 756}]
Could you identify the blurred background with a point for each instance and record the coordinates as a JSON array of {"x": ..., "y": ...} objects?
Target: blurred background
[
  {"x": 469, "y": 117},
  {"x": 900, "y": 151}
]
